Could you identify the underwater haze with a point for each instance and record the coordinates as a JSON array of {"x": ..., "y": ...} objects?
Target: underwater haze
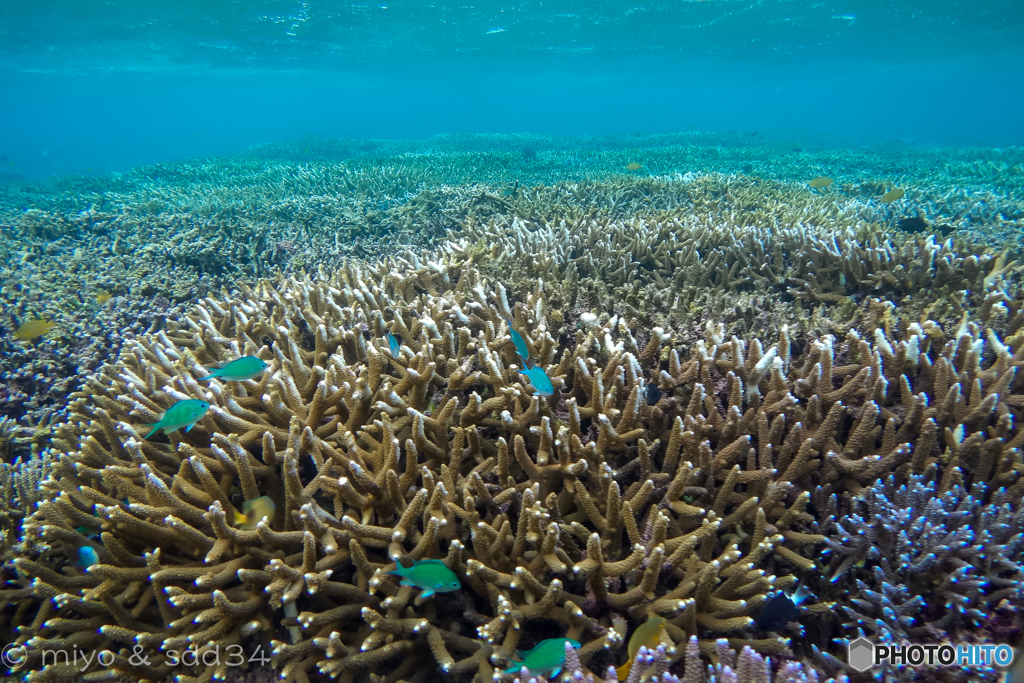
[{"x": 90, "y": 87}]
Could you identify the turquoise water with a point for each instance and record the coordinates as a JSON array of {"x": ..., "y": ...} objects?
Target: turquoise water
[{"x": 90, "y": 87}]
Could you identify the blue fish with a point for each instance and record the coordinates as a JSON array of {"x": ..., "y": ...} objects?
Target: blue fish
[
  {"x": 520, "y": 343},
  {"x": 246, "y": 367},
  {"x": 396, "y": 347},
  {"x": 780, "y": 609},
  {"x": 86, "y": 557},
  {"x": 540, "y": 380}
]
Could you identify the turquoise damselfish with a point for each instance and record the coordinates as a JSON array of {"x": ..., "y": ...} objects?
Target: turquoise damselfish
[
  {"x": 182, "y": 414},
  {"x": 246, "y": 367},
  {"x": 520, "y": 343},
  {"x": 546, "y": 659},
  {"x": 86, "y": 557},
  {"x": 396, "y": 347},
  {"x": 430, "y": 576},
  {"x": 540, "y": 380}
]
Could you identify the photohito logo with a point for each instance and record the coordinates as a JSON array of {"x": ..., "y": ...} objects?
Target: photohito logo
[
  {"x": 13, "y": 656},
  {"x": 862, "y": 654}
]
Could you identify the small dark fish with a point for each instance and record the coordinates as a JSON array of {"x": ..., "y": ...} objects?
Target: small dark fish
[
  {"x": 912, "y": 224},
  {"x": 653, "y": 394},
  {"x": 780, "y": 609}
]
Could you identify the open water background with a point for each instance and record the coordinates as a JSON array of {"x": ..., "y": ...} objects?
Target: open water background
[{"x": 93, "y": 87}]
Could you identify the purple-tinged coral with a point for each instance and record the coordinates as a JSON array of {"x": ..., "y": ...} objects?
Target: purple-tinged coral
[
  {"x": 927, "y": 561},
  {"x": 747, "y": 666}
]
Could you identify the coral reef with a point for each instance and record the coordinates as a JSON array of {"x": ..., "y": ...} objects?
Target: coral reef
[
  {"x": 576, "y": 514},
  {"x": 704, "y": 257},
  {"x": 167, "y": 234},
  {"x": 837, "y": 406},
  {"x": 652, "y": 666}
]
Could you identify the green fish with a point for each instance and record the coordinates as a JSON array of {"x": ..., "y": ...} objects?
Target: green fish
[
  {"x": 520, "y": 343},
  {"x": 540, "y": 380},
  {"x": 546, "y": 659},
  {"x": 432, "y": 576},
  {"x": 182, "y": 414},
  {"x": 246, "y": 367}
]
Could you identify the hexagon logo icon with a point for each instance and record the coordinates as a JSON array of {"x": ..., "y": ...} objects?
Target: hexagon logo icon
[{"x": 861, "y": 654}]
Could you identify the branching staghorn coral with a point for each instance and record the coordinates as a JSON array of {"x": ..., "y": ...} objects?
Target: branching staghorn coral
[
  {"x": 747, "y": 666},
  {"x": 918, "y": 540},
  {"x": 580, "y": 513},
  {"x": 814, "y": 247},
  {"x": 684, "y": 240}
]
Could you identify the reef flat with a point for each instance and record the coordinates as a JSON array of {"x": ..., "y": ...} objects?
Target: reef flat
[{"x": 756, "y": 382}]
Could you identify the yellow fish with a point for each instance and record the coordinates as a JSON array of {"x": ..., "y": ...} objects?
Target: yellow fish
[
  {"x": 30, "y": 329},
  {"x": 253, "y": 511},
  {"x": 891, "y": 196},
  {"x": 103, "y": 297},
  {"x": 634, "y": 166},
  {"x": 647, "y": 634},
  {"x": 820, "y": 182}
]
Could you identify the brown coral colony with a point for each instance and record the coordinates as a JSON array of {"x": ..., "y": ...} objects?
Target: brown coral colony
[{"x": 578, "y": 515}]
